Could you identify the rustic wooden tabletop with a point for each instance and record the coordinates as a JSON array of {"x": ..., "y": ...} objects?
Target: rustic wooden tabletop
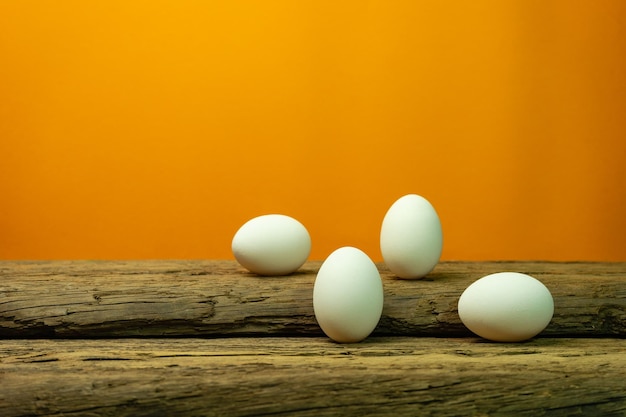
[{"x": 187, "y": 338}]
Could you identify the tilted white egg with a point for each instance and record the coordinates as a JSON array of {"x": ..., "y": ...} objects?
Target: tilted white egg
[
  {"x": 506, "y": 307},
  {"x": 348, "y": 295},
  {"x": 273, "y": 244},
  {"x": 411, "y": 239}
]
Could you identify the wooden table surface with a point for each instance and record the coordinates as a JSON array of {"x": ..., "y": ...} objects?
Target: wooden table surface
[{"x": 187, "y": 338}]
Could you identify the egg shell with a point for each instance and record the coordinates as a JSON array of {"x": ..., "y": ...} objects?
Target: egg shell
[
  {"x": 411, "y": 239},
  {"x": 272, "y": 244},
  {"x": 506, "y": 307},
  {"x": 348, "y": 295}
]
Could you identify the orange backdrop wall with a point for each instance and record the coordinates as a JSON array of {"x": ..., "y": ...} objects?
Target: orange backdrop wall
[{"x": 154, "y": 129}]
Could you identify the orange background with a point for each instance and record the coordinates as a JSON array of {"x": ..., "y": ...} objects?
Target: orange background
[{"x": 154, "y": 129}]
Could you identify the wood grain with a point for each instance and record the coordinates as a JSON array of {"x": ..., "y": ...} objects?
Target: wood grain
[
  {"x": 313, "y": 377},
  {"x": 121, "y": 339},
  {"x": 91, "y": 299}
]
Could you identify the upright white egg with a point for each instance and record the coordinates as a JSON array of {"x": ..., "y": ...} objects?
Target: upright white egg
[
  {"x": 348, "y": 295},
  {"x": 411, "y": 239},
  {"x": 506, "y": 307},
  {"x": 273, "y": 244}
]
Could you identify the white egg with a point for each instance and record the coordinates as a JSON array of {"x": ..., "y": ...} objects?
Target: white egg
[
  {"x": 411, "y": 239},
  {"x": 348, "y": 295},
  {"x": 506, "y": 307},
  {"x": 273, "y": 244}
]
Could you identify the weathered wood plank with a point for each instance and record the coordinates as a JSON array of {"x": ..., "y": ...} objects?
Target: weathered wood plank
[
  {"x": 312, "y": 377},
  {"x": 219, "y": 298}
]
